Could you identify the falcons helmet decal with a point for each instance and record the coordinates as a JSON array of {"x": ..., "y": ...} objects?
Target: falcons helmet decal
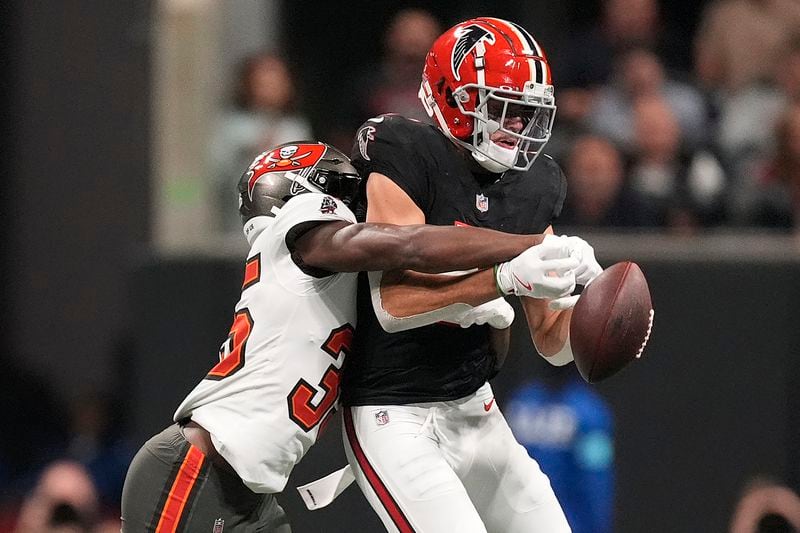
[{"x": 468, "y": 38}]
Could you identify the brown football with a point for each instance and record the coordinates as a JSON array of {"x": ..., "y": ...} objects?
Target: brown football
[{"x": 611, "y": 322}]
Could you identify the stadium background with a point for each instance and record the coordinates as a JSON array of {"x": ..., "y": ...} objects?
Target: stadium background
[{"x": 113, "y": 280}]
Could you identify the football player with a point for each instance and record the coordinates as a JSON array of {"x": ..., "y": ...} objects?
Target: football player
[
  {"x": 240, "y": 432},
  {"x": 426, "y": 440}
]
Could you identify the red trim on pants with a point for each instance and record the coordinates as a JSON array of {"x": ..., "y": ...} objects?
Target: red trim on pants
[
  {"x": 375, "y": 482},
  {"x": 181, "y": 489}
]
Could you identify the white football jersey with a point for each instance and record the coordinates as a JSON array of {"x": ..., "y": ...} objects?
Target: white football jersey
[{"x": 278, "y": 375}]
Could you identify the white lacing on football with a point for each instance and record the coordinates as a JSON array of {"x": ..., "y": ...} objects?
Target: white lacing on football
[{"x": 646, "y": 335}]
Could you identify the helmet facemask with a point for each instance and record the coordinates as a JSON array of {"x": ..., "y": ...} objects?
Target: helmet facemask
[
  {"x": 511, "y": 127},
  {"x": 342, "y": 185}
]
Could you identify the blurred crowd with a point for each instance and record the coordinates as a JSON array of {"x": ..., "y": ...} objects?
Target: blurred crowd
[
  {"x": 62, "y": 463},
  {"x": 645, "y": 142},
  {"x": 645, "y": 137}
]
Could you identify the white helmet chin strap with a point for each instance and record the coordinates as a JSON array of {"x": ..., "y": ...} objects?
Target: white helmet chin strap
[{"x": 495, "y": 158}]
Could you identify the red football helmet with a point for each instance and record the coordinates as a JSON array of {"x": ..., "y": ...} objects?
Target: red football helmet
[{"x": 487, "y": 84}]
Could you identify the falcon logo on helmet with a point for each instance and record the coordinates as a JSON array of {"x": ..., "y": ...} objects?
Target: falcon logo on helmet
[{"x": 468, "y": 38}]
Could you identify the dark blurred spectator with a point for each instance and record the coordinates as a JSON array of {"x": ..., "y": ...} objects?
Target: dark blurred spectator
[
  {"x": 597, "y": 194},
  {"x": 639, "y": 73},
  {"x": 265, "y": 114},
  {"x": 777, "y": 197},
  {"x": 97, "y": 443},
  {"x": 44, "y": 431},
  {"x": 588, "y": 58},
  {"x": 766, "y": 507},
  {"x": 585, "y": 62},
  {"x": 32, "y": 436},
  {"x": 746, "y": 132},
  {"x": 568, "y": 428},
  {"x": 739, "y": 41},
  {"x": 787, "y": 76},
  {"x": 747, "y": 118},
  {"x": 63, "y": 500},
  {"x": 392, "y": 85},
  {"x": 684, "y": 184}
]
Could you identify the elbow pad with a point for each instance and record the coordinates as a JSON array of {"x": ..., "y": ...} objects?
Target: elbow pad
[
  {"x": 563, "y": 357},
  {"x": 393, "y": 324}
]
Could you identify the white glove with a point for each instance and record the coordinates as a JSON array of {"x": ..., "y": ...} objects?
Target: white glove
[
  {"x": 497, "y": 313},
  {"x": 546, "y": 270},
  {"x": 589, "y": 268}
]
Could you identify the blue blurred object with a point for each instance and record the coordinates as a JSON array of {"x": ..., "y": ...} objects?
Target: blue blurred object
[{"x": 568, "y": 428}]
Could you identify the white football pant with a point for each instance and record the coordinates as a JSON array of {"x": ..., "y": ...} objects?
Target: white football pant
[{"x": 448, "y": 466}]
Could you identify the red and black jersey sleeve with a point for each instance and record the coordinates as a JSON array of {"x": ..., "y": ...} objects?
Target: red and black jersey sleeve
[{"x": 388, "y": 144}]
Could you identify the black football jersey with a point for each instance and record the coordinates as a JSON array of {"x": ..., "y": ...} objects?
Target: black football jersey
[{"x": 438, "y": 362}]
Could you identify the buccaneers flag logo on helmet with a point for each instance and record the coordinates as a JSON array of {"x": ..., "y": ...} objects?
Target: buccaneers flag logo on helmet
[{"x": 291, "y": 157}]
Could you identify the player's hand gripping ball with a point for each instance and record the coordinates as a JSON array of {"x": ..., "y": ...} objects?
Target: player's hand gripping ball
[{"x": 611, "y": 322}]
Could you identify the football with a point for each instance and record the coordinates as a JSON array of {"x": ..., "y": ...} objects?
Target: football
[{"x": 611, "y": 322}]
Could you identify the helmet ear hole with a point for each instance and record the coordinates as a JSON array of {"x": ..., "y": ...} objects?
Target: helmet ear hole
[{"x": 448, "y": 96}]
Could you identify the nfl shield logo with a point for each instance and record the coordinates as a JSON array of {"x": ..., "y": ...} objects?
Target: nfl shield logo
[
  {"x": 381, "y": 418},
  {"x": 219, "y": 525},
  {"x": 482, "y": 203}
]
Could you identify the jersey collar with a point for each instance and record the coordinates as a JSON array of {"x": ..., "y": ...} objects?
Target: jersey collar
[{"x": 255, "y": 226}]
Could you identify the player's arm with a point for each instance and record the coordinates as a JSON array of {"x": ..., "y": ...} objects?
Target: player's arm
[
  {"x": 549, "y": 321},
  {"x": 405, "y": 299},
  {"x": 414, "y": 300},
  {"x": 549, "y": 328},
  {"x": 396, "y": 249},
  {"x": 345, "y": 247}
]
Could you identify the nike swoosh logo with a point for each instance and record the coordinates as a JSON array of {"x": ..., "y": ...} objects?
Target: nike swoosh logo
[
  {"x": 487, "y": 406},
  {"x": 526, "y": 285}
]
